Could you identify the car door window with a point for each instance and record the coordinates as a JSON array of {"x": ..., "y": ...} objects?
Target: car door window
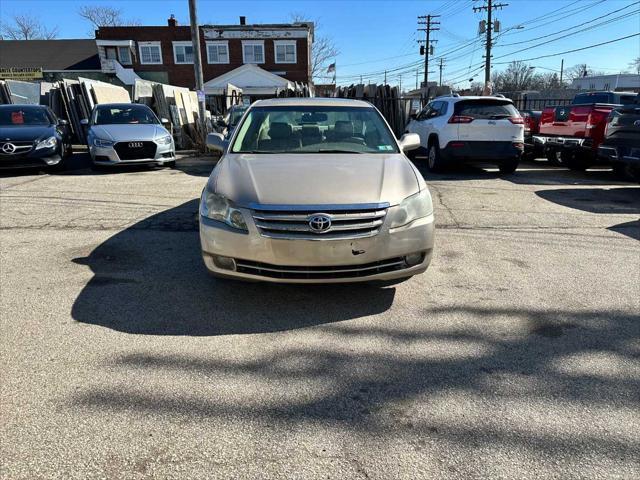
[
  {"x": 434, "y": 111},
  {"x": 425, "y": 111}
]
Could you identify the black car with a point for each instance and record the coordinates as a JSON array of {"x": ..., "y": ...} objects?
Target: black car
[
  {"x": 32, "y": 136},
  {"x": 621, "y": 145}
]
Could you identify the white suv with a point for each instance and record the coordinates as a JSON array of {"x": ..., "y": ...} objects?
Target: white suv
[{"x": 456, "y": 129}]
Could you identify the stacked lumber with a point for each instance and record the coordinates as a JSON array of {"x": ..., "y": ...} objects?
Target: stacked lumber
[{"x": 385, "y": 98}]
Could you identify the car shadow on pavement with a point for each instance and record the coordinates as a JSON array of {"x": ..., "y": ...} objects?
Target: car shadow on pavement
[
  {"x": 535, "y": 375},
  {"x": 150, "y": 279},
  {"x": 596, "y": 200},
  {"x": 530, "y": 172}
]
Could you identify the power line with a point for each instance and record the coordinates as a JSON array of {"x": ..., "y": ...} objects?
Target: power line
[
  {"x": 571, "y": 51},
  {"x": 562, "y": 38},
  {"x": 572, "y": 27}
]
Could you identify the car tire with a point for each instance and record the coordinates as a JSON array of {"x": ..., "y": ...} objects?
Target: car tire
[
  {"x": 434, "y": 159},
  {"x": 171, "y": 164},
  {"x": 552, "y": 156},
  {"x": 619, "y": 169},
  {"x": 509, "y": 166},
  {"x": 68, "y": 152},
  {"x": 573, "y": 161}
]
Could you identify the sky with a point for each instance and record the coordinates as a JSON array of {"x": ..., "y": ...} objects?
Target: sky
[{"x": 377, "y": 35}]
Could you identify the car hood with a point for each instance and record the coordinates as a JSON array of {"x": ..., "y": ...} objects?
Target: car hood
[
  {"x": 315, "y": 179},
  {"x": 129, "y": 131},
  {"x": 26, "y": 133}
]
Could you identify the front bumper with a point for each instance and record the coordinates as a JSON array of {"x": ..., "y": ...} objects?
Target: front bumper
[
  {"x": 482, "y": 151},
  {"x": 44, "y": 157},
  {"x": 259, "y": 258},
  {"x": 109, "y": 156}
]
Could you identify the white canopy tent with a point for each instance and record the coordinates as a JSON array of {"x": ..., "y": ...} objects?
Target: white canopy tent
[{"x": 251, "y": 79}]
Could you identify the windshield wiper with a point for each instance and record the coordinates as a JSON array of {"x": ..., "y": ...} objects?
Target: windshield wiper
[{"x": 331, "y": 150}]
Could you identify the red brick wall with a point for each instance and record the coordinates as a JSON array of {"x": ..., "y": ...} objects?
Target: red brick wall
[{"x": 182, "y": 74}]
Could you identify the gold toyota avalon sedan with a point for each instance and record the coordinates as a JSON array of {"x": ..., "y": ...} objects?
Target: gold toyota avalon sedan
[{"x": 315, "y": 190}]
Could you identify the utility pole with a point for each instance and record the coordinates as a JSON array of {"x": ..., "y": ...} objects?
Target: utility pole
[
  {"x": 197, "y": 63},
  {"x": 430, "y": 26},
  {"x": 385, "y": 77},
  {"x": 440, "y": 67},
  {"x": 487, "y": 61},
  {"x": 400, "y": 88},
  {"x": 561, "y": 71},
  {"x": 417, "y": 73}
]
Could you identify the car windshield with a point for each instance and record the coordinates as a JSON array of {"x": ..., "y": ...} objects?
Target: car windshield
[
  {"x": 12, "y": 115},
  {"x": 486, "y": 109},
  {"x": 314, "y": 129},
  {"x": 112, "y": 115}
]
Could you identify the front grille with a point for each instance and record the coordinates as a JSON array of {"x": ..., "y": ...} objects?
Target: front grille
[
  {"x": 126, "y": 152},
  {"x": 20, "y": 147},
  {"x": 319, "y": 273},
  {"x": 295, "y": 223}
]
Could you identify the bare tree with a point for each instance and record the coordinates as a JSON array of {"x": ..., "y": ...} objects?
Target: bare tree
[
  {"x": 323, "y": 50},
  {"x": 27, "y": 27},
  {"x": 635, "y": 65},
  {"x": 517, "y": 76},
  {"x": 105, "y": 16}
]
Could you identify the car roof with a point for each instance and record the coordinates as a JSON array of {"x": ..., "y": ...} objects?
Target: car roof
[
  {"x": 312, "y": 102},
  {"x": 472, "y": 97},
  {"x": 22, "y": 105},
  {"x": 120, "y": 105}
]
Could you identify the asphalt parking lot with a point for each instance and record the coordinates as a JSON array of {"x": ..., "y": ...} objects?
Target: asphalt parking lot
[{"x": 517, "y": 355}]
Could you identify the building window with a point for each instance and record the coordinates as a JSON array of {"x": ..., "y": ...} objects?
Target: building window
[
  {"x": 183, "y": 52},
  {"x": 125, "y": 55},
  {"x": 285, "y": 52},
  {"x": 217, "y": 52},
  {"x": 150, "y": 53},
  {"x": 253, "y": 52}
]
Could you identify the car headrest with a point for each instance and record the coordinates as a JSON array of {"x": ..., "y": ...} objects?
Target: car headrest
[
  {"x": 344, "y": 128},
  {"x": 280, "y": 130},
  {"x": 310, "y": 131}
]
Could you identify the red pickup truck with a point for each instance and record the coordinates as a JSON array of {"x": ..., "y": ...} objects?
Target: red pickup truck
[{"x": 574, "y": 132}]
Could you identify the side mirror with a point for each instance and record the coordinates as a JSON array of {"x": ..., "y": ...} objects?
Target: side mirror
[
  {"x": 62, "y": 122},
  {"x": 409, "y": 141},
  {"x": 84, "y": 121},
  {"x": 216, "y": 142}
]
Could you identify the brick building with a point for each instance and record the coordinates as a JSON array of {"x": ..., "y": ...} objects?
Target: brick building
[{"x": 165, "y": 54}]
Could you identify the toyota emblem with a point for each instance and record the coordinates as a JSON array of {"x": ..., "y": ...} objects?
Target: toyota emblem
[
  {"x": 135, "y": 144},
  {"x": 319, "y": 223},
  {"x": 8, "y": 148}
]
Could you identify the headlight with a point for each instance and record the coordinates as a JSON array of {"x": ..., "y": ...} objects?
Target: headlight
[
  {"x": 50, "y": 142},
  {"x": 166, "y": 140},
  {"x": 98, "y": 142},
  {"x": 413, "y": 207},
  {"x": 216, "y": 207}
]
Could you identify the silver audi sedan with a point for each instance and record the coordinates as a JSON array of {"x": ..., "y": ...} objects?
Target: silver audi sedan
[
  {"x": 128, "y": 133},
  {"x": 315, "y": 190}
]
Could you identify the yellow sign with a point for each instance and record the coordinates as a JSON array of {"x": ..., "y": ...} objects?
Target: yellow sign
[{"x": 20, "y": 73}]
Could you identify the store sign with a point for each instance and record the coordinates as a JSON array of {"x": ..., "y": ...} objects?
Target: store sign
[{"x": 20, "y": 73}]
